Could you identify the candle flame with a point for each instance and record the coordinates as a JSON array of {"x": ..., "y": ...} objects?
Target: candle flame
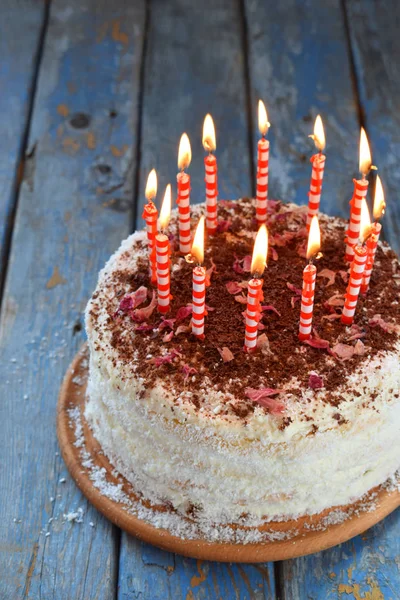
[
  {"x": 209, "y": 141},
  {"x": 151, "y": 185},
  {"x": 319, "y": 134},
  {"x": 184, "y": 153},
  {"x": 165, "y": 212},
  {"x": 263, "y": 123},
  {"x": 365, "y": 221},
  {"x": 365, "y": 154},
  {"x": 198, "y": 243},
  {"x": 314, "y": 238},
  {"x": 260, "y": 251},
  {"x": 379, "y": 199}
]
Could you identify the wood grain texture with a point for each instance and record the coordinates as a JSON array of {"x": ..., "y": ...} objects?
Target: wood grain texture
[
  {"x": 152, "y": 573},
  {"x": 194, "y": 65},
  {"x": 373, "y": 28},
  {"x": 73, "y": 210},
  {"x": 20, "y": 36},
  {"x": 366, "y": 568},
  {"x": 299, "y": 66}
]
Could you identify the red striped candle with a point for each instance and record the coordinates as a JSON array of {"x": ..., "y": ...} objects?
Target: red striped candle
[
  {"x": 314, "y": 195},
  {"x": 198, "y": 282},
  {"x": 353, "y": 289},
  {"x": 262, "y": 181},
  {"x": 262, "y": 166},
  {"x": 150, "y": 214},
  {"x": 372, "y": 245},
  {"x": 199, "y": 301},
  {"x": 183, "y": 202},
  {"x": 183, "y": 199},
  {"x": 309, "y": 278},
  {"x": 360, "y": 192},
  {"x": 372, "y": 242},
  {"x": 353, "y": 232},
  {"x": 163, "y": 255},
  {"x": 317, "y": 171},
  {"x": 253, "y": 313},
  {"x": 163, "y": 272},
  {"x": 254, "y": 292},
  {"x": 210, "y": 163},
  {"x": 307, "y": 302}
]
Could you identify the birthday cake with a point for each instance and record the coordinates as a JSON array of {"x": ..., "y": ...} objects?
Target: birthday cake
[{"x": 223, "y": 436}]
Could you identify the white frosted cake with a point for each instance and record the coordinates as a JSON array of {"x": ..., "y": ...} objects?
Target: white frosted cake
[{"x": 220, "y": 436}]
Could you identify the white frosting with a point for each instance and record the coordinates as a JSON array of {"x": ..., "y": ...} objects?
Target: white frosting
[{"x": 171, "y": 452}]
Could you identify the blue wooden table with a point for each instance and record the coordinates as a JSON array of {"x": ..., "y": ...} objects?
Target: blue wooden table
[{"x": 94, "y": 94}]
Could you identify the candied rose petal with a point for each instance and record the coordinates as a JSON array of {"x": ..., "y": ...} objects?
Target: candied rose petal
[
  {"x": 182, "y": 329},
  {"x": 270, "y": 308},
  {"x": 141, "y": 314},
  {"x": 378, "y": 321},
  {"x": 263, "y": 397},
  {"x": 315, "y": 382},
  {"x": 184, "y": 312},
  {"x": 318, "y": 343},
  {"x": 233, "y": 287},
  {"x": 168, "y": 358},
  {"x": 293, "y": 288},
  {"x": 226, "y": 354},
  {"x": 166, "y": 323},
  {"x": 329, "y": 275},
  {"x": 343, "y": 351},
  {"x": 188, "y": 371},
  {"x": 168, "y": 336}
]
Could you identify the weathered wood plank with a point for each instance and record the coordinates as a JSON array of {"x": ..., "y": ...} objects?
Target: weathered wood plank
[
  {"x": 366, "y": 567},
  {"x": 299, "y": 65},
  {"x": 20, "y": 37},
  {"x": 194, "y": 65},
  {"x": 74, "y": 207},
  {"x": 375, "y": 41},
  {"x": 152, "y": 573}
]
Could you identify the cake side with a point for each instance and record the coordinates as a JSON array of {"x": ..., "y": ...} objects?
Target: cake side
[{"x": 198, "y": 440}]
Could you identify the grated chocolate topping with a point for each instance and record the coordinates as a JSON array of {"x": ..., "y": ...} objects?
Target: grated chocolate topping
[{"x": 284, "y": 358}]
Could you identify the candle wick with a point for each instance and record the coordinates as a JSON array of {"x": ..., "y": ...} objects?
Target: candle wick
[{"x": 370, "y": 234}]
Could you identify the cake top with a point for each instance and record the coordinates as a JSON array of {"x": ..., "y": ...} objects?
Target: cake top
[{"x": 286, "y": 379}]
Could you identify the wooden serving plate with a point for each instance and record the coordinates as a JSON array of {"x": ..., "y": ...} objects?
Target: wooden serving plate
[{"x": 312, "y": 534}]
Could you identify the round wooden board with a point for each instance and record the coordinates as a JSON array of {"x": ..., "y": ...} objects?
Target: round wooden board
[{"x": 307, "y": 541}]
